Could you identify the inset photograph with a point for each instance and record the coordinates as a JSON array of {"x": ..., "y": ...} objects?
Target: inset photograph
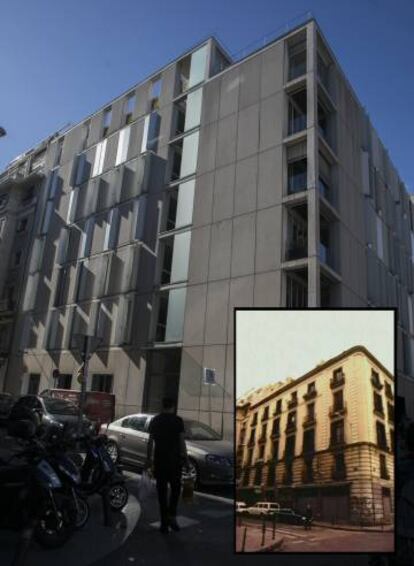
[{"x": 314, "y": 426}]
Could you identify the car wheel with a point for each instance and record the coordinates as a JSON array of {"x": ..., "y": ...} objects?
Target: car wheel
[
  {"x": 113, "y": 450},
  {"x": 192, "y": 473}
]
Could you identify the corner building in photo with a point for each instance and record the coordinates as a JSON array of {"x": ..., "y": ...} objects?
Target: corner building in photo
[
  {"x": 212, "y": 184},
  {"x": 324, "y": 439}
]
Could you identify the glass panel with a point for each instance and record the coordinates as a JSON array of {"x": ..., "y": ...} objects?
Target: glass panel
[
  {"x": 193, "y": 109},
  {"x": 189, "y": 155},
  {"x": 198, "y": 66},
  {"x": 175, "y": 316},
  {"x": 179, "y": 269},
  {"x": 123, "y": 144},
  {"x": 185, "y": 204}
]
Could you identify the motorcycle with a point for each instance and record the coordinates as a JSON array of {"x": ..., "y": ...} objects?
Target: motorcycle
[
  {"x": 101, "y": 475},
  {"x": 32, "y": 501}
]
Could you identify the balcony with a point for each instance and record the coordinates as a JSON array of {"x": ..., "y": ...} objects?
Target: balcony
[
  {"x": 376, "y": 382},
  {"x": 29, "y": 171},
  {"x": 275, "y": 434},
  {"x": 290, "y": 427},
  {"x": 337, "y": 381},
  {"x": 310, "y": 395},
  {"x": 292, "y": 403},
  {"x": 309, "y": 421},
  {"x": 337, "y": 411},
  {"x": 338, "y": 474}
]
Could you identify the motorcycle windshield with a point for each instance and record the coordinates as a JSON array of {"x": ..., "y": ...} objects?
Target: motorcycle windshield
[{"x": 47, "y": 476}]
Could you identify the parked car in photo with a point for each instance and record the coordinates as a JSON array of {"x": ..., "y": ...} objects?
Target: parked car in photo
[
  {"x": 241, "y": 507},
  {"x": 263, "y": 508},
  {"x": 6, "y": 403},
  {"x": 210, "y": 457},
  {"x": 285, "y": 515},
  {"x": 50, "y": 411}
]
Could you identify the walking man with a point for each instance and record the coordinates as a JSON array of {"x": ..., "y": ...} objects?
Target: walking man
[
  {"x": 309, "y": 516},
  {"x": 170, "y": 454}
]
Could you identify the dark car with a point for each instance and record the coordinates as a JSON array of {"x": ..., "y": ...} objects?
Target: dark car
[
  {"x": 289, "y": 516},
  {"x": 6, "y": 403},
  {"x": 50, "y": 411}
]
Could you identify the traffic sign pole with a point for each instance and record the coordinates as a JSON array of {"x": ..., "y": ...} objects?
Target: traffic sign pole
[{"x": 82, "y": 400}]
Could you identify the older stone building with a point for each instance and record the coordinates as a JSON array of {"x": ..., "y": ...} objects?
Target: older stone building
[{"x": 326, "y": 438}]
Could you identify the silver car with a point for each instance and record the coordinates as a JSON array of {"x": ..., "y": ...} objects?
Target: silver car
[{"x": 211, "y": 458}]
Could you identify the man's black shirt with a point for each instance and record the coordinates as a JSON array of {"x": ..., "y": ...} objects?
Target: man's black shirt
[{"x": 166, "y": 428}]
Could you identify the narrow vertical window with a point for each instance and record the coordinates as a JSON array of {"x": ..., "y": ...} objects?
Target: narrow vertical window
[
  {"x": 99, "y": 158},
  {"x": 106, "y": 121},
  {"x": 123, "y": 144},
  {"x": 129, "y": 107}
]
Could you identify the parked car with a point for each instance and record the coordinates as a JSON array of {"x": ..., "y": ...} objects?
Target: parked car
[
  {"x": 50, "y": 411},
  {"x": 6, "y": 403},
  {"x": 211, "y": 458},
  {"x": 263, "y": 508},
  {"x": 285, "y": 515},
  {"x": 241, "y": 507}
]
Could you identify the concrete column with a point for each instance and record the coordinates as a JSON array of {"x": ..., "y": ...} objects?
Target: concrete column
[{"x": 312, "y": 160}]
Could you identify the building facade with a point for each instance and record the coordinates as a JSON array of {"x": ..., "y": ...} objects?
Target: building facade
[
  {"x": 326, "y": 438},
  {"x": 213, "y": 184}
]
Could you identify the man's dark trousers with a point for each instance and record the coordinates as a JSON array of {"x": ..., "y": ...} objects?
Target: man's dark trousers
[{"x": 168, "y": 509}]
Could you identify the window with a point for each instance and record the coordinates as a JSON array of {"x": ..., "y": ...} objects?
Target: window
[
  {"x": 155, "y": 93},
  {"x": 271, "y": 474},
  {"x": 135, "y": 423},
  {"x": 34, "y": 383},
  {"x": 47, "y": 217},
  {"x": 296, "y": 291},
  {"x": 323, "y": 71},
  {"x": 64, "y": 381},
  {"x": 180, "y": 204},
  {"x": 297, "y": 112},
  {"x": 380, "y": 241},
  {"x": 86, "y": 238},
  {"x": 388, "y": 391},
  {"x": 381, "y": 437},
  {"x": 151, "y": 132},
  {"x": 337, "y": 433},
  {"x": 70, "y": 215},
  {"x": 171, "y": 315},
  {"x": 297, "y": 60},
  {"x": 258, "y": 475},
  {"x": 192, "y": 69},
  {"x": 297, "y": 176},
  {"x": 275, "y": 449},
  {"x": 123, "y": 144},
  {"x": 383, "y": 467},
  {"x": 80, "y": 169},
  {"x": 339, "y": 462},
  {"x": 278, "y": 407},
  {"x": 85, "y": 134},
  {"x": 276, "y": 427},
  {"x": 291, "y": 421},
  {"x": 254, "y": 420},
  {"x": 390, "y": 412},
  {"x": 140, "y": 205},
  {"x": 58, "y": 154},
  {"x": 261, "y": 452},
  {"x": 129, "y": 107},
  {"x": 378, "y": 408},
  {"x": 106, "y": 121},
  {"x": 252, "y": 436},
  {"x": 99, "y": 158},
  {"x": 17, "y": 258},
  {"x": 325, "y": 178},
  {"x": 309, "y": 441},
  {"x": 3, "y": 221},
  {"x": 102, "y": 382},
  {"x": 53, "y": 184},
  {"x": 338, "y": 400},
  {"x": 290, "y": 447},
  {"x": 184, "y": 156},
  {"x": 265, "y": 415},
  {"x": 176, "y": 253},
  {"x": 311, "y": 411}
]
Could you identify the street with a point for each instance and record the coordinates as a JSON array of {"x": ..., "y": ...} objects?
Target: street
[{"x": 323, "y": 539}]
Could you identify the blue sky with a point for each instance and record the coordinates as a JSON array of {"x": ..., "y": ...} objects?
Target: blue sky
[{"x": 61, "y": 61}]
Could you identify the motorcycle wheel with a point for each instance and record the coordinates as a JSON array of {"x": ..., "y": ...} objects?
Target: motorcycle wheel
[
  {"x": 54, "y": 529},
  {"x": 117, "y": 496},
  {"x": 83, "y": 512}
]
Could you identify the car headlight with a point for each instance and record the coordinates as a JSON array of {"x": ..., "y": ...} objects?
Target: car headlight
[{"x": 218, "y": 460}]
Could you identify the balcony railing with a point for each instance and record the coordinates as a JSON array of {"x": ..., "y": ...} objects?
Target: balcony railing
[
  {"x": 337, "y": 442},
  {"x": 290, "y": 427},
  {"x": 338, "y": 380},
  {"x": 376, "y": 383},
  {"x": 338, "y": 474},
  {"x": 310, "y": 395},
  {"x": 310, "y": 420},
  {"x": 275, "y": 433},
  {"x": 262, "y": 438},
  {"x": 292, "y": 403},
  {"x": 337, "y": 411}
]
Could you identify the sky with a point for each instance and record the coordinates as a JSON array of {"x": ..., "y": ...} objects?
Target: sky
[
  {"x": 61, "y": 61},
  {"x": 272, "y": 345}
]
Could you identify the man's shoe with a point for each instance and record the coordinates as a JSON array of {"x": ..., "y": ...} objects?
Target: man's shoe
[
  {"x": 174, "y": 525},
  {"x": 164, "y": 529}
]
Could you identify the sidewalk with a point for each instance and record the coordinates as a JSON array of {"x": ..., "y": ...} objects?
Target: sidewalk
[
  {"x": 252, "y": 540},
  {"x": 344, "y": 527}
]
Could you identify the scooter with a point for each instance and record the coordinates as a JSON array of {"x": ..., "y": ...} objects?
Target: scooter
[{"x": 32, "y": 502}]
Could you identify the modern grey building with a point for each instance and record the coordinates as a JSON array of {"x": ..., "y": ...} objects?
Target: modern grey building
[{"x": 210, "y": 185}]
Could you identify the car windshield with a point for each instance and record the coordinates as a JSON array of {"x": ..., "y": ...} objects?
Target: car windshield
[
  {"x": 60, "y": 407},
  {"x": 199, "y": 431}
]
